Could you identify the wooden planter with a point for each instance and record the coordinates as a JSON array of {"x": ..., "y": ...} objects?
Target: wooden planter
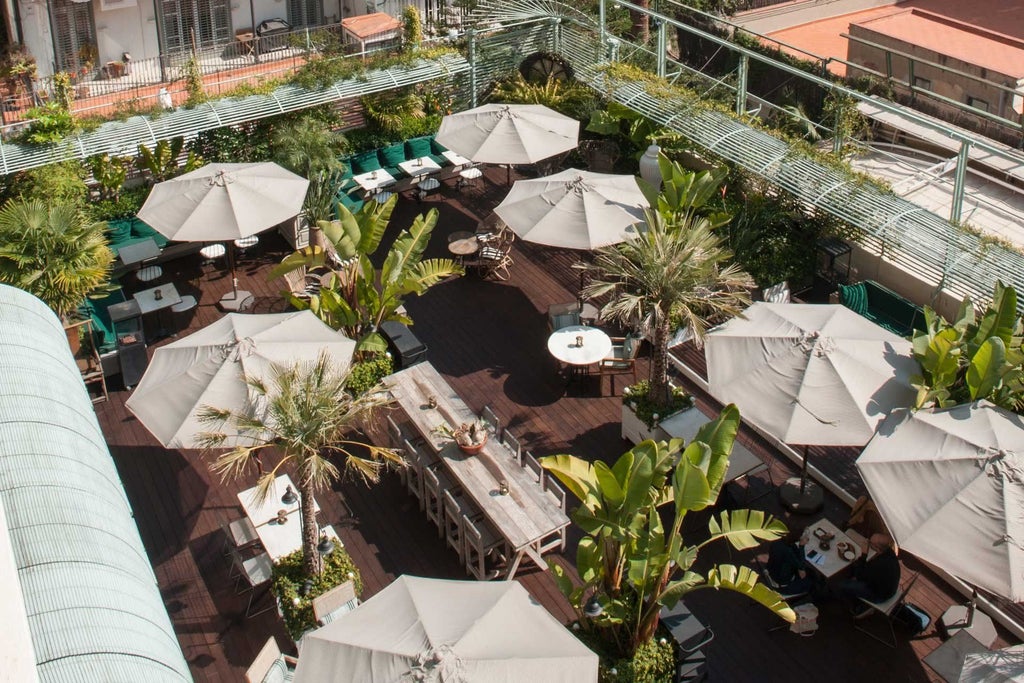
[{"x": 636, "y": 430}]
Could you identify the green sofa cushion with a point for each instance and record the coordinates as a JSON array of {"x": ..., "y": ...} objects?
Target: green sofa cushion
[
  {"x": 392, "y": 155},
  {"x": 366, "y": 162},
  {"x": 142, "y": 229},
  {"x": 103, "y": 329},
  {"x": 854, "y": 297},
  {"x": 437, "y": 148},
  {"x": 418, "y": 147},
  {"x": 119, "y": 230}
]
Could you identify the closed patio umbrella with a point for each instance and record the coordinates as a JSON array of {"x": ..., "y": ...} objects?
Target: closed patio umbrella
[
  {"x": 420, "y": 629},
  {"x": 224, "y": 202},
  {"x": 949, "y": 484},
  {"x": 207, "y": 368},
  {"x": 508, "y": 133},
  {"x": 810, "y": 374},
  {"x": 574, "y": 209}
]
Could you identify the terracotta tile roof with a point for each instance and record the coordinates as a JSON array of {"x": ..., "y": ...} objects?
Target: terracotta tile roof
[
  {"x": 368, "y": 25},
  {"x": 946, "y": 36}
]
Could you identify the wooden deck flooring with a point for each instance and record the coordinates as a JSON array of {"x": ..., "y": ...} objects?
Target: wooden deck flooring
[{"x": 488, "y": 340}]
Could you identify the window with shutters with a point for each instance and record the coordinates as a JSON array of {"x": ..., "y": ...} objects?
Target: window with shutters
[
  {"x": 207, "y": 22},
  {"x": 74, "y": 37},
  {"x": 305, "y": 13}
]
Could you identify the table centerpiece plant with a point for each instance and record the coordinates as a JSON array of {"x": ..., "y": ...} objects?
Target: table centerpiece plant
[{"x": 470, "y": 437}]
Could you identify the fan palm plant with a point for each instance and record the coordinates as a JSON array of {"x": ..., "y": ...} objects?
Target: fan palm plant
[
  {"x": 306, "y": 414},
  {"x": 54, "y": 252},
  {"x": 673, "y": 273}
]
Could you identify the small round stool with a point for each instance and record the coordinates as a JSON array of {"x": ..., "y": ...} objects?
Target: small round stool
[
  {"x": 149, "y": 273},
  {"x": 469, "y": 175},
  {"x": 383, "y": 196},
  {"x": 247, "y": 242},
  {"x": 212, "y": 252},
  {"x": 187, "y": 303},
  {"x": 426, "y": 186}
]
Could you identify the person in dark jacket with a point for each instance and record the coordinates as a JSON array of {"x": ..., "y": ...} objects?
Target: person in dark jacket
[
  {"x": 877, "y": 579},
  {"x": 787, "y": 566}
]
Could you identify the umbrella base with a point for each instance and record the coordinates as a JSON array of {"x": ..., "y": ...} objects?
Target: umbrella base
[
  {"x": 236, "y": 301},
  {"x": 954, "y": 620},
  {"x": 806, "y": 503}
]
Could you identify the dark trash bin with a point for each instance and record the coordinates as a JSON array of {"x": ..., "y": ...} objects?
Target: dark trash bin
[{"x": 406, "y": 349}]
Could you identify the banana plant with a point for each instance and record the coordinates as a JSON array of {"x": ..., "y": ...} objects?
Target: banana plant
[
  {"x": 358, "y": 298},
  {"x": 161, "y": 162},
  {"x": 973, "y": 357},
  {"x": 629, "y": 559}
]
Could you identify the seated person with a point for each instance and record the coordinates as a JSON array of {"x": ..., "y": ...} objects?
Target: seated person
[
  {"x": 865, "y": 519},
  {"x": 876, "y": 579},
  {"x": 787, "y": 566}
]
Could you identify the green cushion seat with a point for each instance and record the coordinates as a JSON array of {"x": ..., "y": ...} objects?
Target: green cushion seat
[
  {"x": 418, "y": 147},
  {"x": 142, "y": 229},
  {"x": 854, "y": 297},
  {"x": 96, "y": 309},
  {"x": 119, "y": 230},
  {"x": 437, "y": 148},
  {"x": 365, "y": 162},
  {"x": 392, "y": 155}
]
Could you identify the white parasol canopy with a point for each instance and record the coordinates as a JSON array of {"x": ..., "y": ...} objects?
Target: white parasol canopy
[
  {"x": 443, "y": 631},
  {"x": 508, "y": 133},
  {"x": 1005, "y": 665},
  {"x": 810, "y": 374},
  {"x": 574, "y": 209},
  {"x": 220, "y": 202},
  {"x": 207, "y": 368},
  {"x": 949, "y": 484}
]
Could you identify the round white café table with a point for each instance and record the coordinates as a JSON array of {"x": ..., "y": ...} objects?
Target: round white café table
[{"x": 596, "y": 345}]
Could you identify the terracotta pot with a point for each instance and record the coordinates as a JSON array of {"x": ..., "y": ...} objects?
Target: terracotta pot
[{"x": 474, "y": 449}]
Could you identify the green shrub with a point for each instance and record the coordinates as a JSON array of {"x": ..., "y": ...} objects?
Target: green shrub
[
  {"x": 288, "y": 581},
  {"x": 636, "y": 396},
  {"x": 50, "y": 123},
  {"x": 654, "y": 662},
  {"x": 125, "y": 205},
  {"x": 366, "y": 374}
]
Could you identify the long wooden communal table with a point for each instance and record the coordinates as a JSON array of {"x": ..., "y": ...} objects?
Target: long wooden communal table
[{"x": 527, "y": 516}]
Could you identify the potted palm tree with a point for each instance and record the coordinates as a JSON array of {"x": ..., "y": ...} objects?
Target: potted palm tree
[
  {"x": 676, "y": 273},
  {"x": 306, "y": 415}
]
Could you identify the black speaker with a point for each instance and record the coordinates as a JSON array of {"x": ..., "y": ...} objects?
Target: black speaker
[{"x": 405, "y": 348}]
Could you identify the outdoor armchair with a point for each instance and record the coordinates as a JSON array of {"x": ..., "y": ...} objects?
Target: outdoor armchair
[
  {"x": 270, "y": 666},
  {"x": 330, "y": 605},
  {"x": 563, "y": 315},
  {"x": 621, "y": 360},
  {"x": 887, "y": 609}
]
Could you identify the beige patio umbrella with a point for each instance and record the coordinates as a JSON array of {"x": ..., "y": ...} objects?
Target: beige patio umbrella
[
  {"x": 1004, "y": 665},
  {"x": 810, "y": 374},
  {"x": 207, "y": 368},
  {"x": 223, "y": 203},
  {"x": 949, "y": 484},
  {"x": 508, "y": 133},
  {"x": 574, "y": 209},
  {"x": 420, "y": 629}
]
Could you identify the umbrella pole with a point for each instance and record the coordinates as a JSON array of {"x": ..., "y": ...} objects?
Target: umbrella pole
[
  {"x": 237, "y": 300},
  {"x": 799, "y": 494}
]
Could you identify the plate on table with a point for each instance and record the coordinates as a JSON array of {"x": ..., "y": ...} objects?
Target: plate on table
[{"x": 846, "y": 551}]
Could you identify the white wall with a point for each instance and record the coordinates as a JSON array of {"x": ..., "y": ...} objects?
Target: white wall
[{"x": 126, "y": 29}]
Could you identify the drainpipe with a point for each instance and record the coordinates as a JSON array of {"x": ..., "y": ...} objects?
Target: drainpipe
[{"x": 601, "y": 30}]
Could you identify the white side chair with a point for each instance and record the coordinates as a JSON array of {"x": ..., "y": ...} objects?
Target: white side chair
[
  {"x": 414, "y": 472},
  {"x": 187, "y": 303},
  {"x": 887, "y": 609},
  {"x": 338, "y": 601},
  {"x": 777, "y": 294},
  {"x": 511, "y": 443},
  {"x": 436, "y": 482},
  {"x": 270, "y": 665},
  {"x": 530, "y": 463},
  {"x": 493, "y": 423},
  {"x": 454, "y": 508},
  {"x": 555, "y": 490},
  {"x": 480, "y": 540},
  {"x": 252, "y": 573},
  {"x": 239, "y": 534}
]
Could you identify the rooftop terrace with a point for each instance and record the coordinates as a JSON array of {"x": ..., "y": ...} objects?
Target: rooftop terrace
[{"x": 488, "y": 340}]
